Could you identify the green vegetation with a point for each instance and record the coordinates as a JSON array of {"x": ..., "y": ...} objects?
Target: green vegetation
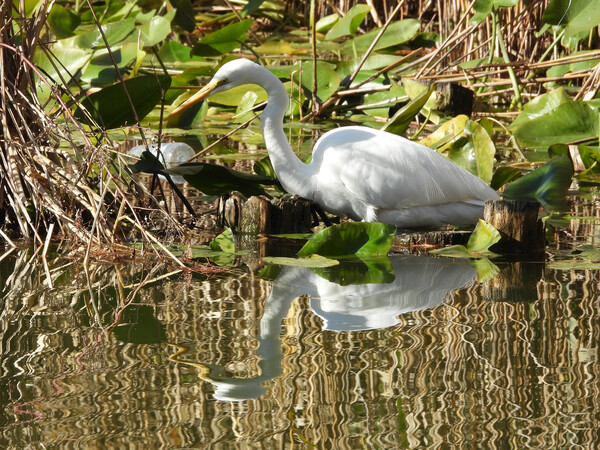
[{"x": 81, "y": 78}]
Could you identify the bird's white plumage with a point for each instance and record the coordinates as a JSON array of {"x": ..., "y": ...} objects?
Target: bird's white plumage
[{"x": 368, "y": 174}]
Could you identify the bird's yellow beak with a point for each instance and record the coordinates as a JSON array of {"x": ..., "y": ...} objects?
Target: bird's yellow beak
[{"x": 197, "y": 97}]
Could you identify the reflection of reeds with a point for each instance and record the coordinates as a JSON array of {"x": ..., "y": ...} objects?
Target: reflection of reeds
[{"x": 502, "y": 374}]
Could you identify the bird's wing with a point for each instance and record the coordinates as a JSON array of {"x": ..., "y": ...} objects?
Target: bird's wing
[{"x": 390, "y": 172}]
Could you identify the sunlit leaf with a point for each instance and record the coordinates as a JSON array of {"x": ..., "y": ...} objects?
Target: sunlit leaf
[
  {"x": 115, "y": 32},
  {"x": 576, "y": 15},
  {"x": 234, "y": 96},
  {"x": 243, "y": 111},
  {"x": 313, "y": 261},
  {"x": 110, "y": 108},
  {"x": 446, "y": 133},
  {"x": 352, "y": 238},
  {"x": 325, "y": 23},
  {"x": 155, "y": 31},
  {"x": 568, "y": 122},
  {"x": 483, "y": 237},
  {"x": 224, "y": 242},
  {"x": 541, "y": 105},
  {"x": 327, "y": 79},
  {"x": 396, "y": 34},
  {"x": 476, "y": 152},
  {"x": 348, "y": 24}
]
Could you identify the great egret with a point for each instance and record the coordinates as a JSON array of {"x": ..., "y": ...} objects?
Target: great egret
[{"x": 368, "y": 174}]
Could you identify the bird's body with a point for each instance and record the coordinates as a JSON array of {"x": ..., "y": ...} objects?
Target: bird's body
[{"x": 368, "y": 174}]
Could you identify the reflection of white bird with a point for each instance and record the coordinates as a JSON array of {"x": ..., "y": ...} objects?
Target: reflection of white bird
[
  {"x": 420, "y": 282},
  {"x": 368, "y": 174}
]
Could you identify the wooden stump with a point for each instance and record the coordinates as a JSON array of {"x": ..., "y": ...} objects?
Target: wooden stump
[
  {"x": 259, "y": 215},
  {"x": 518, "y": 223}
]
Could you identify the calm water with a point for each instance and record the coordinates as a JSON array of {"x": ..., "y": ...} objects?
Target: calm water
[{"x": 431, "y": 359}]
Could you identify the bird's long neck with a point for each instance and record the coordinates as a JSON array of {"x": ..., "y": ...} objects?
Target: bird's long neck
[{"x": 292, "y": 173}]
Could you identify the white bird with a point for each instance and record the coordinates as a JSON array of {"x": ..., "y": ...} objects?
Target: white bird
[{"x": 367, "y": 174}]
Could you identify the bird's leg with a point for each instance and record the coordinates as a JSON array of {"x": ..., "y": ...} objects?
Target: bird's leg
[{"x": 316, "y": 212}]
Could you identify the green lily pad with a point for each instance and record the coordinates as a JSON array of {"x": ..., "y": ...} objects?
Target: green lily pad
[
  {"x": 328, "y": 80},
  {"x": 569, "y": 122},
  {"x": 115, "y": 32},
  {"x": 110, "y": 108},
  {"x": 576, "y": 15},
  {"x": 347, "y": 25},
  {"x": 354, "y": 238},
  {"x": 397, "y": 33}
]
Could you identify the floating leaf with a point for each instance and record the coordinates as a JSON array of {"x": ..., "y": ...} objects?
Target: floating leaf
[
  {"x": 348, "y": 24},
  {"x": 576, "y": 15},
  {"x": 352, "y": 238},
  {"x": 313, "y": 261},
  {"x": 110, "y": 108},
  {"x": 547, "y": 184}
]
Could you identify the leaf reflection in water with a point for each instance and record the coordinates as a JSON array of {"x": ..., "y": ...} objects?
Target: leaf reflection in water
[{"x": 420, "y": 282}]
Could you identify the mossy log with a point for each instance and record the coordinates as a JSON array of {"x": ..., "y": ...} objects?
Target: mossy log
[{"x": 519, "y": 225}]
